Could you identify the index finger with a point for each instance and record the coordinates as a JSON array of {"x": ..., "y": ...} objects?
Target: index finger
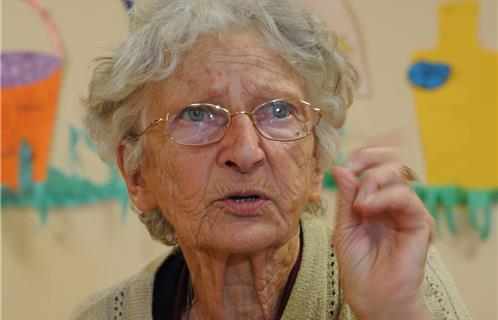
[{"x": 369, "y": 157}]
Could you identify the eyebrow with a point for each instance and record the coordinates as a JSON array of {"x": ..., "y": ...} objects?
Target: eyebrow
[
  {"x": 266, "y": 93},
  {"x": 261, "y": 93}
]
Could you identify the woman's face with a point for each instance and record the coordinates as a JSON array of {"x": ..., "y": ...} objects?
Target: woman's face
[{"x": 244, "y": 193}]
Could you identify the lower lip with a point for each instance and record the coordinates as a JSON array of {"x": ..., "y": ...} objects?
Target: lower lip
[{"x": 244, "y": 208}]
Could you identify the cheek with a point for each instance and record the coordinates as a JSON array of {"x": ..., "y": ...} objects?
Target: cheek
[
  {"x": 292, "y": 168},
  {"x": 178, "y": 181}
]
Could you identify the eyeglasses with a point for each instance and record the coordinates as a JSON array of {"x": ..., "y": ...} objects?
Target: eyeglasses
[{"x": 199, "y": 124}]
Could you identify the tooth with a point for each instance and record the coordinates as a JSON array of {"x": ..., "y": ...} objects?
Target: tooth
[{"x": 245, "y": 199}]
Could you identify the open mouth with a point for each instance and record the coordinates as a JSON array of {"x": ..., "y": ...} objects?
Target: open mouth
[
  {"x": 247, "y": 198},
  {"x": 245, "y": 203}
]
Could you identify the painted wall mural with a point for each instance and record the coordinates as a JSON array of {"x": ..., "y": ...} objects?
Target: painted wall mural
[
  {"x": 455, "y": 86},
  {"x": 342, "y": 20},
  {"x": 30, "y": 90}
]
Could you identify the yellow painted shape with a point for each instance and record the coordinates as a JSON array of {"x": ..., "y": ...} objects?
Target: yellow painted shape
[
  {"x": 344, "y": 45},
  {"x": 458, "y": 121}
]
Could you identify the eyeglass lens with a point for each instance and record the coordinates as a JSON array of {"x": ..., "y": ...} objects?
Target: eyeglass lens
[{"x": 201, "y": 124}]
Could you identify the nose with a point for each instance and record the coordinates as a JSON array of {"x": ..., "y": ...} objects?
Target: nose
[{"x": 241, "y": 148}]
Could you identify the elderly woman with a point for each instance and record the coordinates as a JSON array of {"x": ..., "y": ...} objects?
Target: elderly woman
[{"x": 222, "y": 117}]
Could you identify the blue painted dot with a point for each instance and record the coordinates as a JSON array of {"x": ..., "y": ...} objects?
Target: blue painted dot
[{"x": 429, "y": 75}]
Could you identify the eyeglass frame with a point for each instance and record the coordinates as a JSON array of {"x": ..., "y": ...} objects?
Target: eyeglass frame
[{"x": 250, "y": 114}]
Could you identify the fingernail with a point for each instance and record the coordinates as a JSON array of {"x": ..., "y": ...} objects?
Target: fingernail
[
  {"x": 350, "y": 165},
  {"x": 362, "y": 195}
]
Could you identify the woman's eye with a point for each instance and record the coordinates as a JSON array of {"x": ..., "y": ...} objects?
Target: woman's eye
[
  {"x": 281, "y": 109},
  {"x": 195, "y": 114}
]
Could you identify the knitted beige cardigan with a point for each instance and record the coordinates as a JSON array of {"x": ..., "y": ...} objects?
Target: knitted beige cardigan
[{"x": 316, "y": 293}]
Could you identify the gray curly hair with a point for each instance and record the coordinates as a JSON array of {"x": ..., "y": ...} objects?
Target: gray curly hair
[{"x": 161, "y": 30}]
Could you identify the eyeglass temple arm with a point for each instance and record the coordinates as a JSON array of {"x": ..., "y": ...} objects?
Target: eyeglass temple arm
[{"x": 154, "y": 123}]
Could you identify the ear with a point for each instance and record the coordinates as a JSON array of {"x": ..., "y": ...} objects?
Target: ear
[
  {"x": 316, "y": 179},
  {"x": 138, "y": 189},
  {"x": 316, "y": 185}
]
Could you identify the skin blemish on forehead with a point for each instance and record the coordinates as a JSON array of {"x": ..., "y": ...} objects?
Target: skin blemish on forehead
[
  {"x": 200, "y": 82},
  {"x": 190, "y": 83},
  {"x": 208, "y": 71}
]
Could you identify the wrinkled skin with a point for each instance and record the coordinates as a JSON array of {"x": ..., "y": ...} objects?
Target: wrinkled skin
[
  {"x": 186, "y": 181},
  {"x": 381, "y": 237},
  {"x": 240, "y": 265}
]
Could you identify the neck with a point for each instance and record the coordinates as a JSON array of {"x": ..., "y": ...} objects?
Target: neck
[{"x": 240, "y": 286}]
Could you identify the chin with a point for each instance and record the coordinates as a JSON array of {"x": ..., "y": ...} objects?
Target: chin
[{"x": 250, "y": 237}]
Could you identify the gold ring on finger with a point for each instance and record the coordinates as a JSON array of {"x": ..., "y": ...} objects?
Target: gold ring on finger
[{"x": 408, "y": 174}]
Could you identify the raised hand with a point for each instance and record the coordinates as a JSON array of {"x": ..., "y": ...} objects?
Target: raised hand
[{"x": 381, "y": 237}]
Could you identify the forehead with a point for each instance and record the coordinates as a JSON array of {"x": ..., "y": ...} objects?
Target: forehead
[
  {"x": 236, "y": 65},
  {"x": 237, "y": 51}
]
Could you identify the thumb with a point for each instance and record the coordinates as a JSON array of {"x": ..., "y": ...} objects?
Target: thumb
[
  {"x": 347, "y": 184},
  {"x": 344, "y": 218}
]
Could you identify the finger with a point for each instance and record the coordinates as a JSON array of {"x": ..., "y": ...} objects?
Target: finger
[
  {"x": 369, "y": 157},
  {"x": 346, "y": 182},
  {"x": 348, "y": 187},
  {"x": 400, "y": 203},
  {"x": 402, "y": 206},
  {"x": 378, "y": 178}
]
